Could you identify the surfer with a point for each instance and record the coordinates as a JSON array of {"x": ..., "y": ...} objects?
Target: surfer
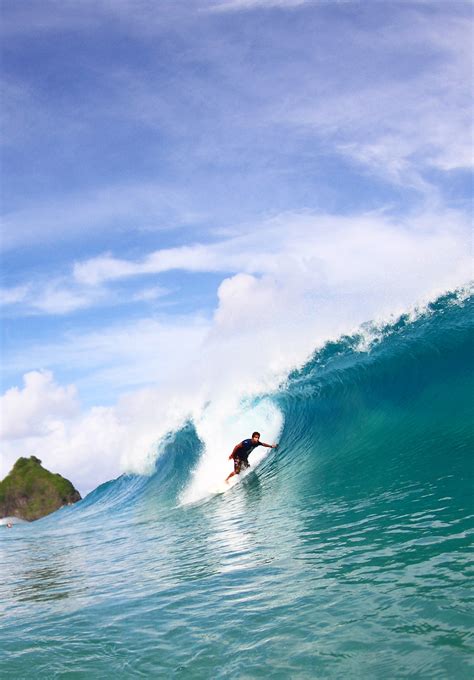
[{"x": 241, "y": 452}]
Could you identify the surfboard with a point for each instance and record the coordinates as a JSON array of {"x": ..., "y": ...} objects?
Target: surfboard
[{"x": 222, "y": 488}]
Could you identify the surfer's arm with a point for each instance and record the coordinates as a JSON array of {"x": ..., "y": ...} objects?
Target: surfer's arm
[
  {"x": 236, "y": 448},
  {"x": 269, "y": 446}
]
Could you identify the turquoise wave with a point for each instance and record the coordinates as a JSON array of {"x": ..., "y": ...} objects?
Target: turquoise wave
[{"x": 346, "y": 552}]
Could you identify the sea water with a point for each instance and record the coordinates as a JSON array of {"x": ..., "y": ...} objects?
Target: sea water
[{"x": 344, "y": 553}]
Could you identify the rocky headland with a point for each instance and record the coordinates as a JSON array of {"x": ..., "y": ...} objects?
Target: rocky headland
[{"x": 30, "y": 491}]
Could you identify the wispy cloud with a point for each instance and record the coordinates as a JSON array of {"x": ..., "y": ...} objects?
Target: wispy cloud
[
  {"x": 157, "y": 146},
  {"x": 194, "y": 258},
  {"x": 270, "y": 314},
  {"x": 242, "y": 5},
  {"x": 115, "y": 357},
  {"x": 321, "y": 247},
  {"x": 62, "y": 295},
  {"x": 397, "y": 124},
  {"x": 231, "y": 113},
  {"x": 34, "y": 409},
  {"x": 129, "y": 207},
  {"x": 13, "y": 296},
  {"x": 50, "y": 16},
  {"x": 290, "y": 238}
]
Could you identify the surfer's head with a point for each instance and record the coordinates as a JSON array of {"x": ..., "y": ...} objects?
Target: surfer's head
[{"x": 255, "y": 436}]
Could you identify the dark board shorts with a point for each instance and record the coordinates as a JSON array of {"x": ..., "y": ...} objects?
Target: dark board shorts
[{"x": 240, "y": 464}]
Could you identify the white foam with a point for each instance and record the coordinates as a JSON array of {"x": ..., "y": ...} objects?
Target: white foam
[
  {"x": 307, "y": 280},
  {"x": 4, "y": 521},
  {"x": 220, "y": 427}
]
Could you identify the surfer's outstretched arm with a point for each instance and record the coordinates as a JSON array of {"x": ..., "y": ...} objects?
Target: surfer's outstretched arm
[{"x": 269, "y": 446}]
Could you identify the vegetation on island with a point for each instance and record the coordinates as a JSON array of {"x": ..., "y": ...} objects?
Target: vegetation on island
[{"x": 30, "y": 491}]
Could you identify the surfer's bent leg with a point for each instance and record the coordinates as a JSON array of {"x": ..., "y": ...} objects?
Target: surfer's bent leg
[{"x": 237, "y": 466}]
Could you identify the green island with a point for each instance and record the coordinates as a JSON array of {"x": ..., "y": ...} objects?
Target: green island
[{"x": 30, "y": 491}]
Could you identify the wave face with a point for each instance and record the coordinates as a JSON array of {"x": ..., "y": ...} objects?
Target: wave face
[{"x": 345, "y": 553}]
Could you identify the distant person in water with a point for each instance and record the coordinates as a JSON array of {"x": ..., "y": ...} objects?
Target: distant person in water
[{"x": 241, "y": 452}]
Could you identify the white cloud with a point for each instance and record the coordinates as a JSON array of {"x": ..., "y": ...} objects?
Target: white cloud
[
  {"x": 409, "y": 114},
  {"x": 316, "y": 245},
  {"x": 58, "y": 299},
  {"x": 94, "y": 444},
  {"x": 396, "y": 100},
  {"x": 398, "y": 124},
  {"x": 84, "y": 448},
  {"x": 137, "y": 207},
  {"x": 63, "y": 296},
  {"x": 150, "y": 294},
  {"x": 55, "y": 297},
  {"x": 194, "y": 258},
  {"x": 301, "y": 242},
  {"x": 36, "y": 409},
  {"x": 12, "y": 296},
  {"x": 242, "y": 5},
  {"x": 116, "y": 357},
  {"x": 306, "y": 279},
  {"x": 105, "y": 268}
]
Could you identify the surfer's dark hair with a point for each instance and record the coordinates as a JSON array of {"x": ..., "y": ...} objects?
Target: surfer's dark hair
[{"x": 254, "y": 433}]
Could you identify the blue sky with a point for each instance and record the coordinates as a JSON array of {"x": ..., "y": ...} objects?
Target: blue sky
[{"x": 177, "y": 175}]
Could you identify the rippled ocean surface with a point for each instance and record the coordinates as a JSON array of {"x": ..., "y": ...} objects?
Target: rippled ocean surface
[{"x": 345, "y": 553}]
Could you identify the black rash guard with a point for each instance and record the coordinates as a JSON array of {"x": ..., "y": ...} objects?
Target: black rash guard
[{"x": 246, "y": 448}]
